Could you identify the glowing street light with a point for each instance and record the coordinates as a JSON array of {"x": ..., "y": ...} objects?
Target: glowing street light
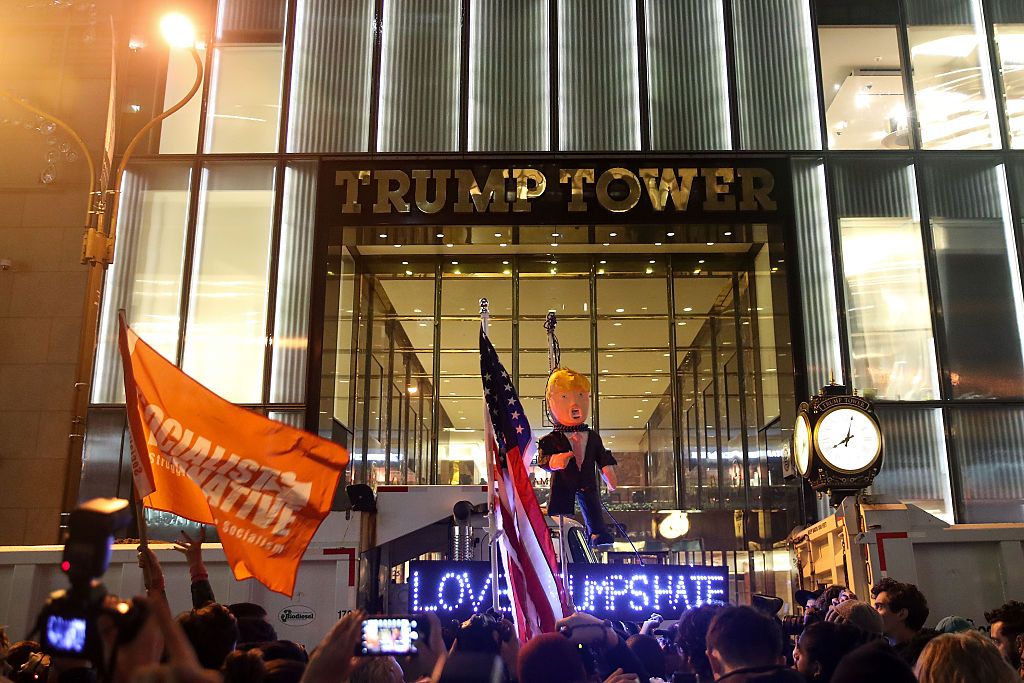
[{"x": 177, "y": 30}]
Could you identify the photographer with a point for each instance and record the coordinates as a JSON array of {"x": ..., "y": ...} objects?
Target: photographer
[
  {"x": 605, "y": 651},
  {"x": 483, "y": 643}
]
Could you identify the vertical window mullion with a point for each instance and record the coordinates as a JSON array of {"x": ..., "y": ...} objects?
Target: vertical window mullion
[
  {"x": 732, "y": 87},
  {"x": 553, "y": 67},
  {"x": 196, "y": 187},
  {"x": 375, "y": 76},
  {"x": 836, "y": 250},
  {"x": 907, "y": 72},
  {"x": 932, "y": 279},
  {"x": 275, "y": 258},
  {"x": 998, "y": 83},
  {"x": 466, "y": 9},
  {"x": 643, "y": 76},
  {"x": 286, "y": 77}
]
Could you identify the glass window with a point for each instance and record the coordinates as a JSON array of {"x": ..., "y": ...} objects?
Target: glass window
[
  {"x": 419, "y": 76},
  {"x": 892, "y": 350},
  {"x": 979, "y": 280},
  {"x": 633, "y": 388},
  {"x": 1008, "y": 17},
  {"x": 599, "y": 91},
  {"x": 915, "y": 468},
  {"x": 291, "y": 310},
  {"x": 509, "y": 83},
  {"x": 179, "y": 133},
  {"x": 952, "y": 74},
  {"x": 330, "y": 92},
  {"x": 818, "y": 292},
  {"x": 338, "y": 381},
  {"x": 775, "y": 83},
  {"x": 460, "y": 439},
  {"x": 145, "y": 279},
  {"x": 689, "y": 106},
  {"x": 989, "y": 442},
  {"x": 862, "y": 75},
  {"x": 245, "y": 91},
  {"x": 226, "y": 335}
]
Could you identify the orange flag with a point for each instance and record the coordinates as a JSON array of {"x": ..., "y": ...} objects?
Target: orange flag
[{"x": 264, "y": 485}]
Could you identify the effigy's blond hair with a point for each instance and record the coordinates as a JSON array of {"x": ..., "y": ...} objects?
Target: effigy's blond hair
[{"x": 567, "y": 380}]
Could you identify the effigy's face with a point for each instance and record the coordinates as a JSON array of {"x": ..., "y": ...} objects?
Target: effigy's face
[{"x": 569, "y": 406}]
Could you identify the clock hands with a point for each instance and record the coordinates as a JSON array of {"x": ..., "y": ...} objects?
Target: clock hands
[{"x": 849, "y": 435}]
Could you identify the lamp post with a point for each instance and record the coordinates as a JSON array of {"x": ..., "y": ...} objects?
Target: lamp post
[{"x": 98, "y": 244}]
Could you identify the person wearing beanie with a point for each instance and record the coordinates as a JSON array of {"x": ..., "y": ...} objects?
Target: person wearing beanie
[
  {"x": 857, "y": 614},
  {"x": 954, "y": 624},
  {"x": 876, "y": 662}
]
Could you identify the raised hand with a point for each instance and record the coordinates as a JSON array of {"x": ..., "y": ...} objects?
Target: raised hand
[{"x": 191, "y": 548}]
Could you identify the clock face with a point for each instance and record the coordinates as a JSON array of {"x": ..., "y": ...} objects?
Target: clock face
[
  {"x": 802, "y": 444},
  {"x": 848, "y": 439}
]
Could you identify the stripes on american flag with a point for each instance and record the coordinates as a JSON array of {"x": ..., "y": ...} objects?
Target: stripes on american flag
[{"x": 527, "y": 555}]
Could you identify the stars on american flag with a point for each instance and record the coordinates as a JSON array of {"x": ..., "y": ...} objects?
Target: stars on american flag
[{"x": 511, "y": 428}]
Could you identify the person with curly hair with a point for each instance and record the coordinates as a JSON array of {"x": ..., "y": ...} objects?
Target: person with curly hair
[
  {"x": 1006, "y": 623},
  {"x": 691, "y": 639},
  {"x": 903, "y": 609}
]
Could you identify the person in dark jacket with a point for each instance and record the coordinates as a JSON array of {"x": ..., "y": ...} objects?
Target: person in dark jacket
[
  {"x": 876, "y": 662},
  {"x": 904, "y": 610},
  {"x": 745, "y": 646}
]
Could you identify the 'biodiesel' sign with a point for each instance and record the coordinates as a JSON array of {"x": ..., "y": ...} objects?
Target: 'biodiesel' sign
[
  {"x": 455, "y": 590},
  {"x": 581, "y": 191}
]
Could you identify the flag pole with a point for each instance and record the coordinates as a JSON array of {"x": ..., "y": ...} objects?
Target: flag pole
[
  {"x": 553, "y": 359},
  {"x": 492, "y": 527}
]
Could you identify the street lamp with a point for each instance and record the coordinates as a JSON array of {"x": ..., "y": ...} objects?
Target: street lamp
[
  {"x": 178, "y": 31},
  {"x": 98, "y": 252}
]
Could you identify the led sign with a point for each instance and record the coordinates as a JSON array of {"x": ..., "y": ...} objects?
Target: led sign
[{"x": 455, "y": 590}]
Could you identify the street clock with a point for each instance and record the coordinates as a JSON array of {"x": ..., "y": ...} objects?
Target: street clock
[{"x": 837, "y": 443}]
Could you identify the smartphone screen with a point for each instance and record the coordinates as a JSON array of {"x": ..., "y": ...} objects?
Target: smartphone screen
[
  {"x": 389, "y": 636},
  {"x": 66, "y": 634}
]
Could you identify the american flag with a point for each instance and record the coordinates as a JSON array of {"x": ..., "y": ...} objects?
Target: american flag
[{"x": 537, "y": 593}]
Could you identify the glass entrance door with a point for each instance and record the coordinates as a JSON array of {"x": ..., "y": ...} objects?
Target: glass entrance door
[{"x": 686, "y": 349}]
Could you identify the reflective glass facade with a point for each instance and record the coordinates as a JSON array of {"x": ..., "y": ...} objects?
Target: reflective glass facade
[{"x": 896, "y": 268}]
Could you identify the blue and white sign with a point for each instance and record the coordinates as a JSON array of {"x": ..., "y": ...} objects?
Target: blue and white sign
[{"x": 455, "y": 590}]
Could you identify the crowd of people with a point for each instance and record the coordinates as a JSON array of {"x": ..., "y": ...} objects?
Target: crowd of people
[{"x": 838, "y": 638}]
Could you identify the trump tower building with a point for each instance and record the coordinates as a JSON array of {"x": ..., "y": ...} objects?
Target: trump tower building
[{"x": 726, "y": 203}]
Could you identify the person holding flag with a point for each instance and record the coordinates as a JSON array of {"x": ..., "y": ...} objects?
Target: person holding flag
[{"x": 538, "y": 596}]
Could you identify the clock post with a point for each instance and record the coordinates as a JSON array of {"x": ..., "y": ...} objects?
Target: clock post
[{"x": 837, "y": 443}]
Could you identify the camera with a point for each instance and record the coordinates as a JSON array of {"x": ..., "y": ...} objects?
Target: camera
[
  {"x": 68, "y": 622},
  {"x": 792, "y": 625}
]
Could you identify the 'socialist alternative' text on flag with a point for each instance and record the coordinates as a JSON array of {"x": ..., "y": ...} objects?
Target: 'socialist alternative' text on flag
[
  {"x": 266, "y": 486},
  {"x": 537, "y": 593}
]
